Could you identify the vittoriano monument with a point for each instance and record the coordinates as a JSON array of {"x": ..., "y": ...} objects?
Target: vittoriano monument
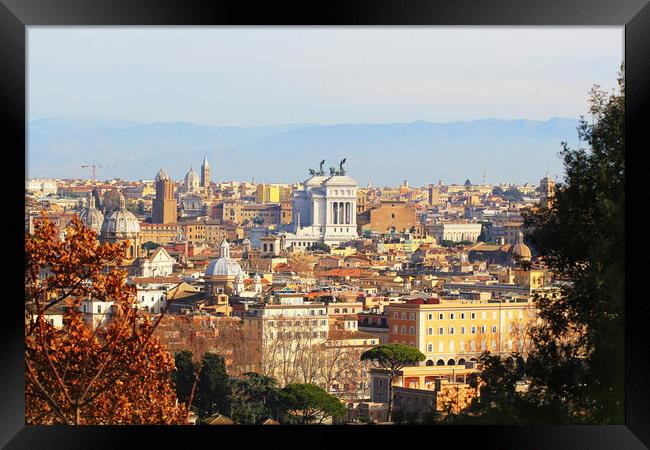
[{"x": 333, "y": 170}]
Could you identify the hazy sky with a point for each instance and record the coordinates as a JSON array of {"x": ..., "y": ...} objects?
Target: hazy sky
[{"x": 252, "y": 76}]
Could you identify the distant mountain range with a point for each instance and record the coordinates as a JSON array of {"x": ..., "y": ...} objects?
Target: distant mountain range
[{"x": 385, "y": 154}]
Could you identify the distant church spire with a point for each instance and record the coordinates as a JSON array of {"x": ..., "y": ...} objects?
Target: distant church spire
[{"x": 205, "y": 173}]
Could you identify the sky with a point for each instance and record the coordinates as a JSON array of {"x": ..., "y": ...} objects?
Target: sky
[{"x": 257, "y": 76}]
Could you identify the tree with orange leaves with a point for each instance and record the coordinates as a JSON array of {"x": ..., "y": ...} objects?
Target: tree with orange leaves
[{"x": 112, "y": 373}]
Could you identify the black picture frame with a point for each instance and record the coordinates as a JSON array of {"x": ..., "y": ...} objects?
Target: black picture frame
[{"x": 16, "y": 15}]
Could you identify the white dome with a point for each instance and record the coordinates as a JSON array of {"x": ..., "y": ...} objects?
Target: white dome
[
  {"x": 191, "y": 176},
  {"x": 121, "y": 222},
  {"x": 223, "y": 267}
]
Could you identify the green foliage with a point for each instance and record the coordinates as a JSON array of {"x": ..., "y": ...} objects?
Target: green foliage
[
  {"x": 308, "y": 403},
  {"x": 582, "y": 237},
  {"x": 392, "y": 358},
  {"x": 449, "y": 244},
  {"x": 575, "y": 370},
  {"x": 213, "y": 389},
  {"x": 150, "y": 245},
  {"x": 319, "y": 246},
  {"x": 184, "y": 375},
  {"x": 512, "y": 194},
  {"x": 255, "y": 398}
]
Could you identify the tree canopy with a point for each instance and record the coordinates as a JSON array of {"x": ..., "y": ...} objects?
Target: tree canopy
[
  {"x": 582, "y": 238},
  {"x": 86, "y": 373},
  {"x": 213, "y": 387},
  {"x": 308, "y": 403},
  {"x": 392, "y": 358},
  {"x": 575, "y": 368},
  {"x": 255, "y": 398}
]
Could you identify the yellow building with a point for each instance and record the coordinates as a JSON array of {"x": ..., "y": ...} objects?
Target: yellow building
[
  {"x": 343, "y": 252},
  {"x": 451, "y": 332},
  {"x": 267, "y": 193}
]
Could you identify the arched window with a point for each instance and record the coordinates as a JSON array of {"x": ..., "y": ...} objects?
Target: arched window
[
  {"x": 440, "y": 362},
  {"x": 461, "y": 361},
  {"x": 430, "y": 362},
  {"x": 451, "y": 362}
]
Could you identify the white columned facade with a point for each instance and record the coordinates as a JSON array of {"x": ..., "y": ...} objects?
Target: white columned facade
[{"x": 327, "y": 208}]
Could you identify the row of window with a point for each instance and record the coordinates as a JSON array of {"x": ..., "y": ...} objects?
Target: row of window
[
  {"x": 297, "y": 335},
  {"x": 297, "y": 323},
  {"x": 453, "y": 315},
  {"x": 441, "y": 330},
  {"x": 472, "y": 345}
]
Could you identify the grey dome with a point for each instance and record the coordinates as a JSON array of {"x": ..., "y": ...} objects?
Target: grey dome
[
  {"x": 224, "y": 265},
  {"x": 92, "y": 218},
  {"x": 121, "y": 222},
  {"x": 227, "y": 267},
  {"x": 191, "y": 176}
]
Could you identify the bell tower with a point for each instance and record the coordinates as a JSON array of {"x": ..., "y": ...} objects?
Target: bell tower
[
  {"x": 205, "y": 173},
  {"x": 164, "y": 205}
]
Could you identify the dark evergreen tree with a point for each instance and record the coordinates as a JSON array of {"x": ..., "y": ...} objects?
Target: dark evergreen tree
[
  {"x": 213, "y": 388},
  {"x": 254, "y": 398},
  {"x": 184, "y": 375},
  {"x": 575, "y": 369}
]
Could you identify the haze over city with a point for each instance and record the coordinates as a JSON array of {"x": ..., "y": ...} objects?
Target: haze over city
[{"x": 134, "y": 99}]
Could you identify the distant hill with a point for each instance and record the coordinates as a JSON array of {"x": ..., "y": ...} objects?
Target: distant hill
[{"x": 386, "y": 154}]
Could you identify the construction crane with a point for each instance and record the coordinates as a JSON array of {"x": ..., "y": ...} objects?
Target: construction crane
[
  {"x": 94, "y": 167},
  {"x": 97, "y": 166}
]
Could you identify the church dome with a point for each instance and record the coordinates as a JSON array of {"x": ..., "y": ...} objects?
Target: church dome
[
  {"x": 91, "y": 216},
  {"x": 224, "y": 266},
  {"x": 121, "y": 222},
  {"x": 520, "y": 249},
  {"x": 192, "y": 176}
]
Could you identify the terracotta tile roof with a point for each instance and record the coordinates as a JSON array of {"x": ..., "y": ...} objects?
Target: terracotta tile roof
[{"x": 342, "y": 272}]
